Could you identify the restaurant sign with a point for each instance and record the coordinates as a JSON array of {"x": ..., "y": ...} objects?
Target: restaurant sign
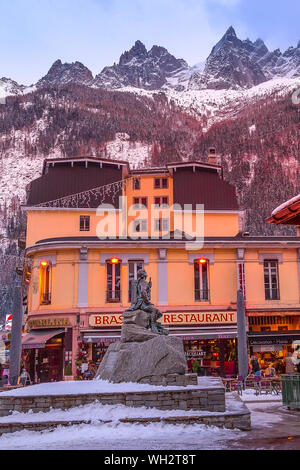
[
  {"x": 106, "y": 320},
  {"x": 48, "y": 322}
]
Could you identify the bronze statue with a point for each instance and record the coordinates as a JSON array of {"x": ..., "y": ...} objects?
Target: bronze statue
[{"x": 142, "y": 301}]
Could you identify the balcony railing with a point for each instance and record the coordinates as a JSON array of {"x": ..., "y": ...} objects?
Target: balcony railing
[
  {"x": 113, "y": 296},
  {"x": 201, "y": 295}
]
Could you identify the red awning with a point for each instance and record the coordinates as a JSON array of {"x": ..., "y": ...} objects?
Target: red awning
[{"x": 37, "y": 339}]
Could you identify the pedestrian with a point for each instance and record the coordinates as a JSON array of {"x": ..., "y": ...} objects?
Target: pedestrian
[
  {"x": 255, "y": 366},
  {"x": 296, "y": 357}
]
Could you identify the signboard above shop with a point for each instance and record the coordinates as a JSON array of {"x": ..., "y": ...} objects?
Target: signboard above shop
[
  {"x": 190, "y": 318},
  {"x": 48, "y": 323}
]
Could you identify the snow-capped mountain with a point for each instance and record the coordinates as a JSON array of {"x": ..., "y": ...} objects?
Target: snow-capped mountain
[
  {"x": 277, "y": 64},
  {"x": 10, "y": 87},
  {"x": 61, "y": 74},
  {"x": 234, "y": 64},
  {"x": 150, "y": 70},
  {"x": 229, "y": 65}
]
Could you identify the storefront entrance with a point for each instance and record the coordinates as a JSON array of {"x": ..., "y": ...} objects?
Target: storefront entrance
[
  {"x": 45, "y": 362},
  {"x": 50, "y": 364},
  {"x": 216, "y": 357},
  {"x": 273, "y": 347}
]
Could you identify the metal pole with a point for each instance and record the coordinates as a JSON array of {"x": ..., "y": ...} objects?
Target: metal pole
[
  {"x": 16, "y": 336},
  {"x": 242, "y": 336}
]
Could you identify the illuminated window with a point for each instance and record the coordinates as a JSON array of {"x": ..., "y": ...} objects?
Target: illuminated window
[
  {"x": 201, "y": 280},
  {"x": 84, "y": 223},
  {"x": 113, "y": 271},
  {"x": 271, "y": 280},
  {"x": 45, "y": 282}
]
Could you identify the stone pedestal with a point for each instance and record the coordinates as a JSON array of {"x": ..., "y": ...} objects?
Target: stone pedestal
[{"x": 146, "y": 361}]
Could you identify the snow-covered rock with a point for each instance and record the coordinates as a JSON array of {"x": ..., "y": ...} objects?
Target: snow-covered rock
[{"x": 140, "y": 68}]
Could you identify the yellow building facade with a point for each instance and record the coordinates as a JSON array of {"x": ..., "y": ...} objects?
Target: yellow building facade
[{"x": 92, "y": 223}]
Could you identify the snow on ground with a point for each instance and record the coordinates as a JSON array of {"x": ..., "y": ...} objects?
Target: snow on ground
[
  {"x": 122, "y": 148},
  {"x": 98, "y": 386},
  {"x": 249, "y": 395},
  {"x": 119, "y": 436},
  {"x": 264, "y": 415},
  {"x": 114, "y": 436},
  {"x": 217, "y": 105},
  {"x": 153, "y": 436},
  {"x": 221, "y": 104}
]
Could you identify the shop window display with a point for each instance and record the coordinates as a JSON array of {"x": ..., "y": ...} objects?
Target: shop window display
[
  {"x": 98, "y": 351},
  {"x": 214, "y": 357}
]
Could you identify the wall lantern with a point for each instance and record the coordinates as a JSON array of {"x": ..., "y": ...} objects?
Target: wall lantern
[
  {"x": 44, "y": 264},
  {"x": 202, "y": 261},
  {"x": 114, "y": 261}
]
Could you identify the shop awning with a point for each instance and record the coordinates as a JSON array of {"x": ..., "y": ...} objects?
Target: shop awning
[
  {"x": 184, "y": 333},
  {"x": 101, "y": 336},
  {"x": 212, "y": 333},
  {"x": 38, "y": 338}
]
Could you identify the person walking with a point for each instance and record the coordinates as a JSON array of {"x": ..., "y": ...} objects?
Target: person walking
[{"x": 256, "y": 369}]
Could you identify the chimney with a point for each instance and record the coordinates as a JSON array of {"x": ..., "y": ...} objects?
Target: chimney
[{"x": 213, "y": 158}]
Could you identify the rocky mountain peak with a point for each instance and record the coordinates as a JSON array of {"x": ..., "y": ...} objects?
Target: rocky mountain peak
[
  {"x": 138, "y": 51},
  {"x": 230, "y": 33},
  {"x": 140, "y": 68},
  {"x": 63, "y": 73}
]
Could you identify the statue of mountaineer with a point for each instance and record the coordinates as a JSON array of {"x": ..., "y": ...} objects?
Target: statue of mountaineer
[{"x": 143, "y": 302}]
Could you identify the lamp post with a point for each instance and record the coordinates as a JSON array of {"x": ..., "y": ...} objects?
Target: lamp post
[{"x": 242, "y": 336}]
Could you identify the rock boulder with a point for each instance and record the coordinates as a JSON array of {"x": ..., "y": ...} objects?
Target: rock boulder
[{"x": 136, "y": 361}]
